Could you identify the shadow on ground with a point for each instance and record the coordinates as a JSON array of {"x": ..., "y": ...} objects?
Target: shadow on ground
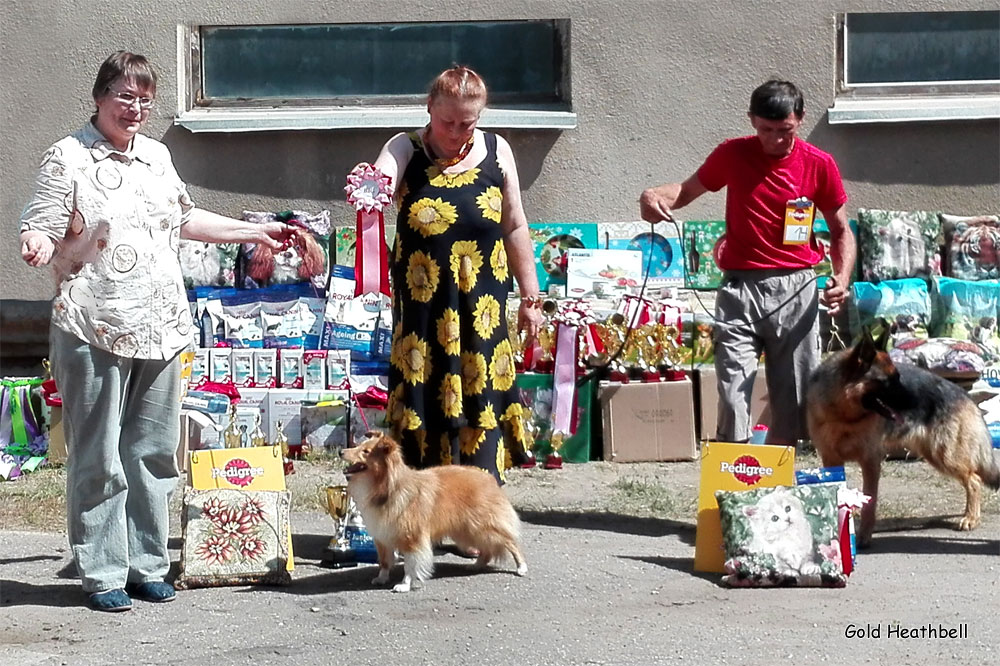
[{"x": 613, "y": 522}]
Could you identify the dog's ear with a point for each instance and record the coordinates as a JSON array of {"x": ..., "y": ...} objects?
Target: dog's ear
[
  {"x": 882, "y": 344},
  {"x": 863, "y": 354},
  {"x": 385, "y": 444}
]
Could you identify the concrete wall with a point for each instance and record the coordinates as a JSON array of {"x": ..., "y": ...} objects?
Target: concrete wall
[{"x": 656, "y": 85}]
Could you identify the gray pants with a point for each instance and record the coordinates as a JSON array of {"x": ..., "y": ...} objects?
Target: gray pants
[
  {"x": 122, "y": 422},
  {"x": 789, "y": 339}
]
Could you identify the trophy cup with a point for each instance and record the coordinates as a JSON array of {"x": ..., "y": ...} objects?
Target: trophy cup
[{"x": 338, "y": 553}]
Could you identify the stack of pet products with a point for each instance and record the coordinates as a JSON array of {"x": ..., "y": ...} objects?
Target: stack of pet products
[{"x": 286, "y": 335}]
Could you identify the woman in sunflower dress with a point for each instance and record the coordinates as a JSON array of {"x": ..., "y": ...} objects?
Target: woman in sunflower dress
[{"x": 460, "y": 235}]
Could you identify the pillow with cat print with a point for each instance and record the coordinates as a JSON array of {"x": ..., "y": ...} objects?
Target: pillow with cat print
[
  {"x": 781, "y": 536},
  {"x": 208, "y": 264}
]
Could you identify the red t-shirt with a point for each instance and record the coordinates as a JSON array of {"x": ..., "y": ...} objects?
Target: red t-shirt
[{"x": 757, "y": 189}]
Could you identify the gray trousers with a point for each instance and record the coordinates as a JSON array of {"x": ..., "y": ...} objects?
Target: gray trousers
[
  {"x": 789, "y": 339},
  {"x": 122, "y": 423}
]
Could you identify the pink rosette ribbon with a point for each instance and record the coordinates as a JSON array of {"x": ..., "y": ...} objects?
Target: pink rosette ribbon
[{"x": 368, "y": 190}]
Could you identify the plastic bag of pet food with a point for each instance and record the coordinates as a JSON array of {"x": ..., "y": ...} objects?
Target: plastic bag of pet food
[
  {"x": 286, "y": 319},
  {"x": 242, "y": 320},
  {"x": 209, "y": 314}
]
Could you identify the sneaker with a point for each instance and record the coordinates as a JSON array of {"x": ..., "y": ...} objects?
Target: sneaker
[
  {"x": 111, "y": 601},
  {"x": 155, "y": 591}
]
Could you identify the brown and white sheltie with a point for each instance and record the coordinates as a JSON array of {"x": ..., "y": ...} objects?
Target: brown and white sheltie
[{"x": 408, "y": 511}]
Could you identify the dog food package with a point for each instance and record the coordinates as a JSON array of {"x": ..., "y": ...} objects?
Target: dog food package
[
  {"x": 338, "y": 368},
  {"x": 290, "y": 368},
  {"x": 199, "y": 367},
  {"x": 313, "y": 308},
  {"x": 209, "y": 314},
  {"x": 221, "y": 359},
  {"x": 241, "y": 319},
  {"x": 265, "y": 368},
  {"x": 349, "y": 321},
  {"x": 286, "y": 319},
  {"x": 243, "y": 362},
  {"x": 252, "y": 402},
  {"x": 733, "y": 466},
  {"x": 314, "y": 370}
]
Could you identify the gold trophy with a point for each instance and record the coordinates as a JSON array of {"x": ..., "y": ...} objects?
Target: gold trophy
[
  {"x": 257, "y": 436},
  {"x": 231, "y": 435},
  {"x": 338, "y": 553}
]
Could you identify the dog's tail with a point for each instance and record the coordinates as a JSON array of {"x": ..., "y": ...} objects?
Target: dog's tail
[{"x": 989, "y": 471}]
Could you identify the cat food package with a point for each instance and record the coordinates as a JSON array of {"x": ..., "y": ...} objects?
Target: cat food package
[
  {"x": 221, "y": 368},
  {"x": 290, "y": 368},
  {"x": 208, "y": 314},
  {"x": 338, "y": 369},
  {"x": 243, "y": 362},
  {"x": 733, "y": 466},
  {"x": 314, "y": 370},
  {"x": 265, "y": 368},
  {"x": 241, "y": 319},
  {"x": 199, "y": 367}
]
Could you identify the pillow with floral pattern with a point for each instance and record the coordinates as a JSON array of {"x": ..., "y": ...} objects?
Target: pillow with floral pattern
[
  {"x": 781, "y": 536},
  {"x": 234, "y": 537},
  {"x": 898, "y": 244}
]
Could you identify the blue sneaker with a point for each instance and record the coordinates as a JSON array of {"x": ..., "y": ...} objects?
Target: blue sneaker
[
  {"x": 111, "y": 601},
  {"x": 157, "y": 592}
]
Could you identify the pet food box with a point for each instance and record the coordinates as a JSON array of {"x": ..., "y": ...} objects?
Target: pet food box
[
  {"x": 535, "y": 390},
  {"x": 551, "y": 241},
  {"x": 325, "y": 422},
  {"x": 606, "y": 274},
  {"x": 659, "y": 244},
  {"x": 648, "y": 421},
  {"x": 702, "y": 243},
  {"x": 707, "y": 402},
  {"x": 729, "y": 466}
]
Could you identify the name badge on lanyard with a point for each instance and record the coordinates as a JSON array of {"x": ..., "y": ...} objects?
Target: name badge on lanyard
[{"x": 798, "y": 221}]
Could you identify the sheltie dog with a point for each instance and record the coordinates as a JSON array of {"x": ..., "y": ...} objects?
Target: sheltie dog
[
  {"x": 408, "y": 511},
  {"x": 861, "y": 406}
]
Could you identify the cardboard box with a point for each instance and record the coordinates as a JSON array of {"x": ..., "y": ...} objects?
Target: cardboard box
[
  {"x": 648, "y": 421},
  {"x": 325, "y": 423},
  {"x": 550, "y": 241},
  {"x": 707, "y": 402},
  {"x": 702, "y": 241},
  {"x": 602, "y": 273},
  {"x": 58, "y": 450},
  {"x": 666, "y": 266}
]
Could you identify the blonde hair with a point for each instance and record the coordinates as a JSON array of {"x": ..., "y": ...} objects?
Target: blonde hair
[{"x": 458, "y": 82}]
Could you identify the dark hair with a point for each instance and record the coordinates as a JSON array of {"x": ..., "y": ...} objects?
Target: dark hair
[
  {"x": 776, "y": 100},
  {"x": 122, "y": 64}
]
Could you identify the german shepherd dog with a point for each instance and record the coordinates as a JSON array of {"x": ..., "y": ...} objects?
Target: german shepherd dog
[{"x": 860, "y": 405}]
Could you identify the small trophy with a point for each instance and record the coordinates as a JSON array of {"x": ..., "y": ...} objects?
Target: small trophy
[
  {"x": 282, "y": 441},
  {"x": 231, "y": 435},
  {"x": 257, "y": 436},
  {"x": 338, "y": 553}
]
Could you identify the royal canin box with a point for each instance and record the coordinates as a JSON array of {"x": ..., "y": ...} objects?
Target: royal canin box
[{"x": 651, "y": 421}]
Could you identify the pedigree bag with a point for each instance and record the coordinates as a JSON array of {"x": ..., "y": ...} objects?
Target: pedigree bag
[{"x": 727, "y": 466}]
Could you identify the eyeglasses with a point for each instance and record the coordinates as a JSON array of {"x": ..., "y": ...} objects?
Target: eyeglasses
[{"x": 128, "y": 99}]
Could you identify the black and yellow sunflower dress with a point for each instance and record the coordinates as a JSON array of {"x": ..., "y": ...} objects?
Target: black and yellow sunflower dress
[{"x": 452, "y": 394}]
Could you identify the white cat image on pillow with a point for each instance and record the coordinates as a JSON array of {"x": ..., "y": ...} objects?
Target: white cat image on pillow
[
  {"x": 779, "y": 528},
  {"x": 200, "y": 263}
]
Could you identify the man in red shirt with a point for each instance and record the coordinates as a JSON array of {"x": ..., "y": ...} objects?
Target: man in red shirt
[{"x": 768, "y": 302}]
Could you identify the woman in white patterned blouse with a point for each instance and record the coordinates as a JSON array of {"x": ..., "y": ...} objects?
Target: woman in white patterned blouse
[{"x": 107, "y": 214}]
